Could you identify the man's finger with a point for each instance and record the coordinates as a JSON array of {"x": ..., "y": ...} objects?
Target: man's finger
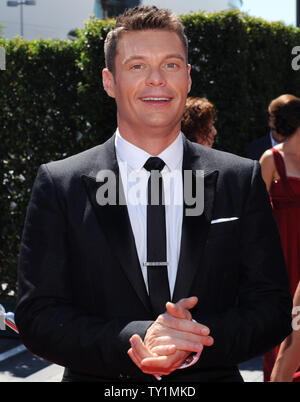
[
  {"x": 188, "y": 303},
  {"x": 164, "y": 350},
  {"x": 181, "y": 310},
  {"x": 133, "y": 357},
  {"x": 184, "y": 325},
  {"x": 157, "y": 372},
  {"x": 187, "y": 345},
  {"x": 159, "y": 364},
  {"x": 137, "y": 352},
  {"x": 138, "y": 347},
  {"x": 178, "y": 311}
]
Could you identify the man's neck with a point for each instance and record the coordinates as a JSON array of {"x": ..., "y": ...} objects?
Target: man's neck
[{"x": 154, "y": 142}]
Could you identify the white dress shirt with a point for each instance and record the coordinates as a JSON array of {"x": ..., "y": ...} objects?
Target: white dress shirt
[{"x": 131, "y": 160}]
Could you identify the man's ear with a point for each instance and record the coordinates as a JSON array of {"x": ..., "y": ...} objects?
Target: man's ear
[
  {"x": 189, "y": 78},
  {"x": 108, "y": 82}
]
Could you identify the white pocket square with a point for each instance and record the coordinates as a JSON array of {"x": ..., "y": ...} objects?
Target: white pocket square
[{"x": 223, "y": 220}]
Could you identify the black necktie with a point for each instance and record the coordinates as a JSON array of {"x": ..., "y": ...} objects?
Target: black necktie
[{"x": 157, "y": 270}]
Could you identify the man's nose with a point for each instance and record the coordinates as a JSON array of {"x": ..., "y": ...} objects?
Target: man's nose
[{"x": 156, "y": 77}]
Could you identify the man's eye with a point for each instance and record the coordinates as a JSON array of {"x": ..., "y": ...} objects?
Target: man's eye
[
  {"x": 171, "y": 65},
  {"x": 137, "y": 67}
]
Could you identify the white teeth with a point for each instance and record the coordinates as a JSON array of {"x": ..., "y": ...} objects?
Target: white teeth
[{"x": 155, "y": 99}]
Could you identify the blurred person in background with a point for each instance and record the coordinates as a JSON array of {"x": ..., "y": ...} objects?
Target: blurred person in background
[
  {"x": 198, "y": 121},
  {"x": 281, "y": 173},
  {"x": 257, "y": 147}
]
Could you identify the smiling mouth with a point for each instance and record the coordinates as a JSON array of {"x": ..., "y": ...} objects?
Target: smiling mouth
[{"x": 156, "y": 100}]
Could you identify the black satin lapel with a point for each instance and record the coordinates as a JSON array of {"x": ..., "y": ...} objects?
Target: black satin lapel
[
  {"x": 193, "y": 239},
  {"x": 115, "y": 224}
]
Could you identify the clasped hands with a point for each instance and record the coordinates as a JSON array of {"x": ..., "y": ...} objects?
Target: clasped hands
[{"x": 170, "y": 340}]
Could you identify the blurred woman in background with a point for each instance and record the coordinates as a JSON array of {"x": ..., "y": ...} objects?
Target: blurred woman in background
[
  {"x": 281, "y": 173},
  {"x": 198, "y": 121}
]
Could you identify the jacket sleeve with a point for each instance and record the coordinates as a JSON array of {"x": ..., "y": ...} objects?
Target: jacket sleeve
[
  {"x": 261, "y": 317},
  {"x": 50, "y": 324}
]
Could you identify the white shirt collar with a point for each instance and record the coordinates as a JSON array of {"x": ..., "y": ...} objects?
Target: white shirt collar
[{"x": 136, "y": 157}]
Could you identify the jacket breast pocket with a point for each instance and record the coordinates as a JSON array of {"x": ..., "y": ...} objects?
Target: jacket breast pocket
[
  {"x": 222, "y": 255},
  {"x": 224, "y": 229},
  {"x": 223, "y": 247}
]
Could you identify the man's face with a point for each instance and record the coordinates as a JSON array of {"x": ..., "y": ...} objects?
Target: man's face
[
  {"x": 276, "y": 136},
  {"x": 151, "y": 80}
]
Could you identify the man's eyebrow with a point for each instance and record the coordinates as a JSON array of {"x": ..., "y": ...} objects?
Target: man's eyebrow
[
  {"x": 140, "y": 57},
  {"x": 176, "y": 56},
  {"x": 133, "y": 57}
]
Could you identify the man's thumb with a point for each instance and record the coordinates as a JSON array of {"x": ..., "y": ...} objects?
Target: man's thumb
[{"x": 182, "y": 307}]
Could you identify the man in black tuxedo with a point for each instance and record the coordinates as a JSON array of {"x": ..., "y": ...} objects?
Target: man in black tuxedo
[
  {"x": 257, "y": 147},
  {"x": 89, "y": 298}
]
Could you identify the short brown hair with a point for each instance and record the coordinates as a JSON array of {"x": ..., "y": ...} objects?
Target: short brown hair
[
  {"x": 199, "y": 112},
  {"x": 140, "y": 19},
  {"x": 284, "y": 114}
]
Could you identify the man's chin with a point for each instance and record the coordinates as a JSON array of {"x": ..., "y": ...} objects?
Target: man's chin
[{"x": 158, "y": 124}]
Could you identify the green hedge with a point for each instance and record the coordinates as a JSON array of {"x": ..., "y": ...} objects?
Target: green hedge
[{"x": 52, "y": 103}]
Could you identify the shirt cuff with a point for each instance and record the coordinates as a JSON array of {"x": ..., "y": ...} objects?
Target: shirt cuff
[{"x": 189, "y": 361}]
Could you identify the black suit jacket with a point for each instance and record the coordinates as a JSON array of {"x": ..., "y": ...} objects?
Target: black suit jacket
[
  {"x": 257, "y": 147},
  {"x": 81, "y": 290}
]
